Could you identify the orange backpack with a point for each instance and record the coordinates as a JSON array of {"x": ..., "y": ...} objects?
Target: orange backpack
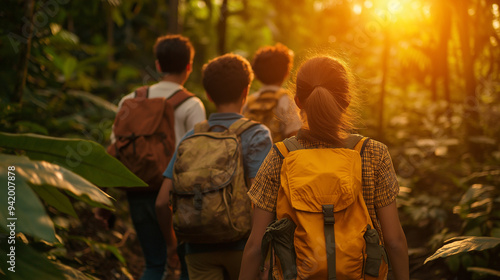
[
  {"x": 145, "y": 135},
  {"x": 321, "y": 196}
]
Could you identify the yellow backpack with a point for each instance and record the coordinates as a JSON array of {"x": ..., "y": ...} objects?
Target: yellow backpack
[
  {"x": 321, "y": 198},
  {"x": 262, "y": 109}
]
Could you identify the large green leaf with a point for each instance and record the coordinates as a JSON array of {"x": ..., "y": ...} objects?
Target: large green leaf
[
  {"x": 27, "y": 214},
  {"x": 42, "y": 173},
  {"x": 464, "y": 244},
  {"x": 55, "y": 198},
  {"x": 29, "y": 264},
  {"x": 86, "y": 158}
]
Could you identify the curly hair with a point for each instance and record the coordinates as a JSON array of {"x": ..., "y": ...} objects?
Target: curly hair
[
  {"x": 226, "y": 77},
  {"x": 272, "y": 64},
  {"x": 174, "y": 53}
]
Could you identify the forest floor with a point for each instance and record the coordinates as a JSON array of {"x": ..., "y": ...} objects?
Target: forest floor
[{"x": 103, "y": 264}]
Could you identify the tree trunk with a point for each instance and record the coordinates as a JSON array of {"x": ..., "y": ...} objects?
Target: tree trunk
[
  {"x": 221, "y": 28},
  {"x": 173, "y": 24},
  {"x": 25, "y": 53},
  {"x": 110, "y": 28},
  {"x": 442, "y": 57},
  {"x": 471, "y": 117}
]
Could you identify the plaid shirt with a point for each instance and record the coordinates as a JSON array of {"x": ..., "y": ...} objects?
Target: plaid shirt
[{"x": 380, "y": 185}]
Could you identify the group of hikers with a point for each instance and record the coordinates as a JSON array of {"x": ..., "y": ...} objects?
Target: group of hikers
[{"x": 274, "y": 185}]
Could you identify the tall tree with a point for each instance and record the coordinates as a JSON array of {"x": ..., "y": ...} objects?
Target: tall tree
[
  {"x": 471, "y": 112},
  {"x": 222, "y": 27},
  {"x": 173, "y": 23},
  {"x": 25, "y": 50}
]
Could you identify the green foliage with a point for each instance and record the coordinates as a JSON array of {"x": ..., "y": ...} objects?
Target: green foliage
[
  {"x": 464, "y": 244},
  {"x": 33, "y": 183},
  {"x": 30, "y": 264},
  {"x": 85, "y": 158}
]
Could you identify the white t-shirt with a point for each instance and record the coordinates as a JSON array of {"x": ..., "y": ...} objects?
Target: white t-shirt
[
  {"x": 286, "y": 110},
  {"x": 186, "y": 115}
]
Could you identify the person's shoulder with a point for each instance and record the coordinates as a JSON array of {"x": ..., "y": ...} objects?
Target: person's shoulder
[
  {"x": 260, "y": 127},
  {"x": 192, "y": 101},
  {"x": 127, "y": 96},
  {"x": 375, "y": 148},
  {"x": 257, "y": 130}
]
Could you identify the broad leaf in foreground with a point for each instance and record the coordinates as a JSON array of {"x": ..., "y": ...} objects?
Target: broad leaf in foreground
[
  {"x": 26, "y": 206},
  {"x": 86, "y": 158},
  {"x": 29, "y": 264},
  {"x": 464, "y": 244},
  {"x": 20, "y": 206}
]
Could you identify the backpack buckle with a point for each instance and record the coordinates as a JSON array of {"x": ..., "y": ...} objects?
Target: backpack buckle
[{"x": 328, "y": 214}]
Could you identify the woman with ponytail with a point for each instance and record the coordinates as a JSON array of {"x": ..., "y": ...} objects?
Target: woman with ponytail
[{"x": 324, "y": 94}]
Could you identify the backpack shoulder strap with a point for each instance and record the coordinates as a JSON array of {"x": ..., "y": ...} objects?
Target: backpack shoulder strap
[
  {"x": 272, "y": 94},
  {"x": 241, "y": 125},
  {"x": 286, "y": 146},
  {"x": 292, "y": 144},
  {"x": 179, "y": 97},
  {"x": 142, "y": 92},
  {"x": 352, "y": 140},
  {"x": 360, "y": 146},
  {"x": 356, "y": 142},
  {"x": 201, "y": 127}
]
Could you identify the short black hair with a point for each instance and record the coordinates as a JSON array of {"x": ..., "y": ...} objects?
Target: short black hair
[
  {"x": 174, "y": 53},
  {"x": 272, "y": 64},
  {"x": 225, "y": 77}
]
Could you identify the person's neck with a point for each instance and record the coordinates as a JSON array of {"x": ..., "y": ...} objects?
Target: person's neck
[
  {"x": 272, "y": 85},
  {"x": 229, "y": 108},
  {"x": 178, "y": 79}
]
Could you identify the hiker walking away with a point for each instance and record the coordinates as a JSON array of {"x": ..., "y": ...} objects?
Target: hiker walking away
[
  {"x": 149, "y": 124},
  {"x": 336, "y": 184},
  {"x": 272, "y": 105},
  {"x": 207, "y": 180}
]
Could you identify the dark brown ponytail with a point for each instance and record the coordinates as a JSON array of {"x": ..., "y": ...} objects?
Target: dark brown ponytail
[{"x": 324, "y": 91}]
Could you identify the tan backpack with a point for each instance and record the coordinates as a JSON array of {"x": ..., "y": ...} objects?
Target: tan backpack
[
  {"x": 209, "y": 198},
  {"x": 145, "y": 135},
  {"x": 262, "y": 109}
]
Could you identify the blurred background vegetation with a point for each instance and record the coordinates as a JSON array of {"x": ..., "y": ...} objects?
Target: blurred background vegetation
[{"x": 427, "y": 73}]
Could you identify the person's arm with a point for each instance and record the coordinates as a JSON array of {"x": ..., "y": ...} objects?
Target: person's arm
[
  {"x": 394, "y": 240},
  {"x": 252, "y": 256},
  {"x": 164, "y": 214}
]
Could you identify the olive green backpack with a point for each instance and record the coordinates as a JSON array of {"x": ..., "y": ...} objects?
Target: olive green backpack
[{"x": 210, "y": 201}]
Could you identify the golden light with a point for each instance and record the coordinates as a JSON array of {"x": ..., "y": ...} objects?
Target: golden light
[
  {"x": 427, "y": 10},
  {"x": 496, "y": 24},
  {"x": 201, "y": 4},
  {"x": 493, "y": 41},
  {"x": 318, "y": 6},
  {"x": 394, "y": 7},
  {"x": 496, "y": 13},
  {"x": 357, "y": 9},
  {"x": 416, "y": 5}
]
